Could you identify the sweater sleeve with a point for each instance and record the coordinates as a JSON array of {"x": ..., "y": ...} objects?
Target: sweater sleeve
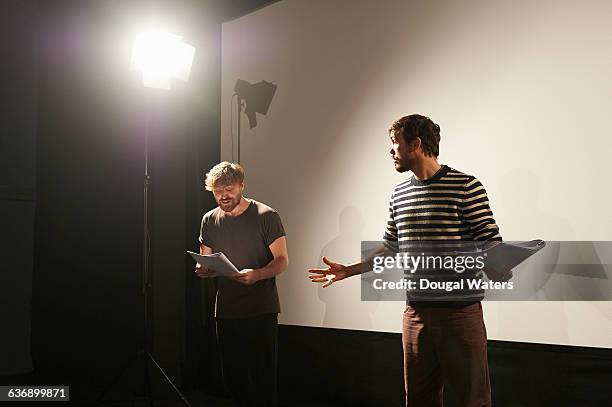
[
  {"x": 477, "y": 212},
  {"x": 390, "y": 239}
]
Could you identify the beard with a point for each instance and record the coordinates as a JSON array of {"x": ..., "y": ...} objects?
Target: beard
[
  {"x": 400, "y": 166},
  {"x": 230, "y": 204}
]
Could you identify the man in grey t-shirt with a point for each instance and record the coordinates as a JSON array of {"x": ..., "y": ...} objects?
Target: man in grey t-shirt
[{"x": 252, "y": 237}]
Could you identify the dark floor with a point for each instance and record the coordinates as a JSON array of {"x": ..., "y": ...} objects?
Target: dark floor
[
  {"x": 201, "y": 400},
  {"x": 194, "y": 399}
]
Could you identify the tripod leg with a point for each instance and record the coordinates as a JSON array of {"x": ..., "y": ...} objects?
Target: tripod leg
[
  {"x": 119, "y": 375},
  {"x": 176, "y": 389}
]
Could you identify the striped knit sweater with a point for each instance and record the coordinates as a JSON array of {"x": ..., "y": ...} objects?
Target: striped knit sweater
[{"x": 450, "y": 209}]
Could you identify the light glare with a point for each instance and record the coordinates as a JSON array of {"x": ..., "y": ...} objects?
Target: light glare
[{"x": 161, "y": 56}]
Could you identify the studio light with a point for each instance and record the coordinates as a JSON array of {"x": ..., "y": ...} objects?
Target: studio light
[{"x": 161, "y": 57}]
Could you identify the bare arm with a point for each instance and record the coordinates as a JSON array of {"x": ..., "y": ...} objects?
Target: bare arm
[
  {"x": 280, "y": 261},
  {"x": 276, "y": 266},
  {"x": 336, "y": 271}
]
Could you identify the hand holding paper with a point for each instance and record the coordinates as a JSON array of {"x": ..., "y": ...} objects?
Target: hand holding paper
[
  {"x": 204, "y": 272},
  {"x": 502, "y": 257},
  {"x": 213, "y": 265},
  {"x": 248, "y": 276}
]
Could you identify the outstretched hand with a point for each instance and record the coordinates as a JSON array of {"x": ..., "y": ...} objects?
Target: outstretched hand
[{"x": 334, "y": 272}]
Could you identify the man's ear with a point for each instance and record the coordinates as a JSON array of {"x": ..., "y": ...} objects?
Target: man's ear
[{"x": 414, "y": 144}]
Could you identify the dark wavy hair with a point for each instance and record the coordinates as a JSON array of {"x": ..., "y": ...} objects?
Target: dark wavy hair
[{"x": 416, "y": 125}]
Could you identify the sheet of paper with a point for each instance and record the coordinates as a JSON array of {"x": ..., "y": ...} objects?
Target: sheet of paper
[
  {"x": 216, "y": 261},
  {"x": 509, "y": 255}
]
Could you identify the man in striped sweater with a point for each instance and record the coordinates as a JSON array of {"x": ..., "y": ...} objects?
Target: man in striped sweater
[{"x": 444, "y": 336}]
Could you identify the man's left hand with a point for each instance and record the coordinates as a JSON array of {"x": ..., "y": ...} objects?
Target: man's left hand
[
  {"x": 247, "y": 276},
  {"x": 503, "y": 274}
]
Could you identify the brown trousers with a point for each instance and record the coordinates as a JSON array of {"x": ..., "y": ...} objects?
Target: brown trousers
[{"x": 445, "y": 345}]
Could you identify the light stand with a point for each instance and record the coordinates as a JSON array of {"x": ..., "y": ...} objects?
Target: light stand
[
  {"x": 181, "y": 57},
  {"x": 143, "y": 354}
]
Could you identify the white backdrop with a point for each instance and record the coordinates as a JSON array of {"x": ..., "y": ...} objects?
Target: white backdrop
[{"x": 522, "y": 92}]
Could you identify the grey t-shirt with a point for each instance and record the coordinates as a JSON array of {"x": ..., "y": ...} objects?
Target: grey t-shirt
[{"x": 245, "y": 240}]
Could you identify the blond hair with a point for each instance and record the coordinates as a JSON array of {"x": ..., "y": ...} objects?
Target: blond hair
[{"x": 223, "y": 174}]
